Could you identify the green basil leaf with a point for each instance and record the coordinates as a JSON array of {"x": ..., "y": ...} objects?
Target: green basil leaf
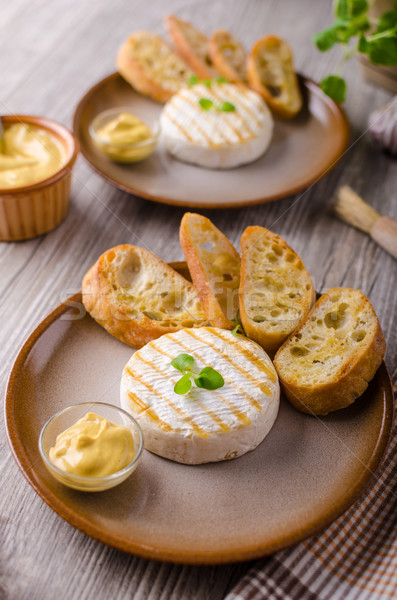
[
  {"x": 387, "y": 21},
  {"x": 342, "y": 9},
  {"x": 209, "y": 379},
  {"x": 205, "y": 103},
  {"x": 193, "y": 79},
  {"x": 182, "y": 362},
  {"x": 207, "y": 83},
  {"x": 349, "y": 9},
  {"x": 383, "y": 51},
  {"x": 324, "y": 40},
  {"x": 239, "y": 328},
  {"x": 358, "y": 7},
  {"x": 221, "y": 80},
  {"x": 335, "y": 87},
  {"x": 357, "y": 26},
  {"x": 363, "y": 45},
  {"x": 227, "y": 107},
  {"x": 183, "y": 385}
]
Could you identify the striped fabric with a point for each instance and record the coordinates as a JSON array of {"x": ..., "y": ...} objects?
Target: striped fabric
[{"x": 354, "y": 558}]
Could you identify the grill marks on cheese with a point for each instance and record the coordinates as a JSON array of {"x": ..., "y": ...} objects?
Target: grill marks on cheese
[
  {"x": 212, "y": 127},
  {"x": 262, "y": 386},
  {"x": 210, "y": 348}
]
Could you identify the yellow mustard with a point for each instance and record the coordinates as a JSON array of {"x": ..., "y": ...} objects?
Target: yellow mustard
[
  {"x": 29, "y": 154},
  {"x": 93, "y": 447},
  {"x": 118, "y": 138}
]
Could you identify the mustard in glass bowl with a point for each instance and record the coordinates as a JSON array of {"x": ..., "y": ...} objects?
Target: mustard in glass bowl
[
  {"x": 123, "y": 136},
  {"x": 91, "y": 446}
]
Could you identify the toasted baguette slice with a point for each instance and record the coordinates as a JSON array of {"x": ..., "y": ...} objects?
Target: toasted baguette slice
[
  {"x": 270, "y": 72},
  {"x": 137, "y": 297},
  {"x": 327, "y": 363},
  {"x": 192, "y": 45},
  {"x": 228, "y": 56},
  {"x": 276, "y": 291},
  {"x": 148, "y": 63},
  {"x": 214, "y": 265}
]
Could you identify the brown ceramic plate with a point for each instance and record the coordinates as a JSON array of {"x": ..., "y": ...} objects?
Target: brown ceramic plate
[
  {"x": 303, "y": 150},
  {"x": 304, "y": 474}
]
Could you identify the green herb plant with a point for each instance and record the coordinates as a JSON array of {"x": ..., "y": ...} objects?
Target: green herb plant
[
  {"x": 358, "y": 32},
  {"x": 207, "y": 378}
]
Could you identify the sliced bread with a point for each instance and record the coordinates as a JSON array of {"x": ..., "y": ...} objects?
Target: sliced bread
[
  {"x": 148, "y": 63},
  {"x": 214, "y": 265},
  {"x": 137, "y": 297},
  {"x": 270, "y": 72},
  {"x": 327, "y": 363},
  {"x": 228, "y": 56},
  {"x": 276, "y": 291},
  {"x": 192, "y": 45}
]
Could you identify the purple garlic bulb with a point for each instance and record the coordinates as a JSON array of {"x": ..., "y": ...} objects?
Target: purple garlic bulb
[{"x": 382, "y": 124}]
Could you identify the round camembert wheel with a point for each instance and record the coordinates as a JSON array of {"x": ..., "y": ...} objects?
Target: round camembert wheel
[
  {"x": 202, "y": 425},
  {"x": 218, "y": 126}
]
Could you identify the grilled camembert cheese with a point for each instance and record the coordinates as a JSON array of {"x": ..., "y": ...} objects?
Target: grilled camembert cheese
[
  {"x": 218, "y": 126},
  {"x": 202, "y": 425}
]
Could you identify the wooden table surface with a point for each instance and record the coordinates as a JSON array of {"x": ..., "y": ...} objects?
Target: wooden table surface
[{"x": 50, "y": 54}]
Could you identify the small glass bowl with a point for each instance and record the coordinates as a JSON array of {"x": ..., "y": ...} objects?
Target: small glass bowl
[
  {"x": 66, "y": 418},
  {"x": 125, "y": 153}
]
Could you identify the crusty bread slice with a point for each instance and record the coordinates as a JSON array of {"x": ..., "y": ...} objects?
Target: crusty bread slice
[
  {"x": 192, "y": 45},
  {"x": 327, "y": 363},
  {"x": 137, "y": 297},
  {"x": 228, "y": 56},
  {"x": 214, "y": 265},
  {"x": 148, "y": 63},
  {"x": 270, "y": 72},
  {"x": 276, "y": 291}
]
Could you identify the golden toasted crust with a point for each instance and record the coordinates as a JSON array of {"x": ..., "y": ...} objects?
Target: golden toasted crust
[
  {"x": 214, "y": 265},
  {"x": 192, "y": 45},
  {"x": 270, "y": 72},
  {"x": 276, "y": 291},
  {"x": 228, "y": 55},
  {"x": 137, "y": 297},
  {"x": 148, "y": 63},
  {"x": 327, "y": 363}
]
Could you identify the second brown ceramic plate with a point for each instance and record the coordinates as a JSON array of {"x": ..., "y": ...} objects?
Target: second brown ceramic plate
[
  {"x": 303, "y": 150},
  {"x": 302, "y": 476}
]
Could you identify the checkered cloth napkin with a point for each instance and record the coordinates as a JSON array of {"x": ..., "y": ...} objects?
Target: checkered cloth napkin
[{"x": 354, "y": 558}]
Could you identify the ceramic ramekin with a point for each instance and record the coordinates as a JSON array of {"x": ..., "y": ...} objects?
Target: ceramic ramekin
[{"x": 31, "y": 210}]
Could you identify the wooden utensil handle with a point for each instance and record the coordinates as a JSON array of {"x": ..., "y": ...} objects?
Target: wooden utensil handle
[{"x": 384, "y": 232}]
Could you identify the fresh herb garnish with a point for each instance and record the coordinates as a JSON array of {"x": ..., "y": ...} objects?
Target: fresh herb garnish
[
  {"x": 183, "y": 384},
  {"x": 207, "y": 104},
  {"x": 351, "y": 21},
  {"x": 208, "y": 378},
  {"x": 239, "y": 328},
  {"x": 193, "y": 79},
  {"x": 182, "y": 362},
  {"x": 226, "y": 107}
]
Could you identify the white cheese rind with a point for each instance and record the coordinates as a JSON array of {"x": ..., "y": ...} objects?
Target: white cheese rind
[
  {"x": 214, "y": 138},
  {"x": 203, "y": 425}
]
